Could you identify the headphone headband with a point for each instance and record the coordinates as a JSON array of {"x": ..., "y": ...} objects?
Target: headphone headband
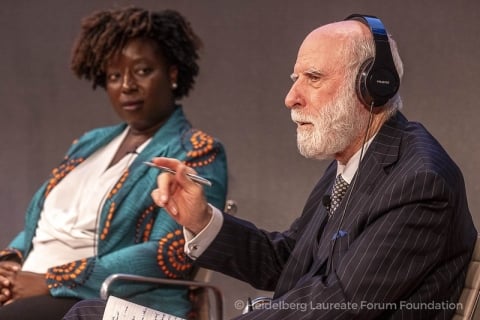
[{"x": 377, "y": 80}]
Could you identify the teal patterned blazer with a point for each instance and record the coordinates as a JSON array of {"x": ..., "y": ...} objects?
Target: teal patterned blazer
[{"x": 134, "y": 235}]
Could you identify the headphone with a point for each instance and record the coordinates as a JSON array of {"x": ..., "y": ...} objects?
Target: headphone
[{"x": 377, "y": 80}]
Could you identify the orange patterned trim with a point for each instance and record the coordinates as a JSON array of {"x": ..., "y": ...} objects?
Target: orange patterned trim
[
  {"x": 61, "y": 171},
  {"x": 108, "y": 221},
  {"x": 170, "y": 255},
  {"x": 111, "y": 210},
  {"x": 65, "y": 275},
  {"x": 119, "y": 184},
  {"x": 145, "y": 226},
  {"x": 203, "y": 152}
]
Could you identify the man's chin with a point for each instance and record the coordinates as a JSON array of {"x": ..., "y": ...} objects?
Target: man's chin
[{"x": 313, "y": 154}]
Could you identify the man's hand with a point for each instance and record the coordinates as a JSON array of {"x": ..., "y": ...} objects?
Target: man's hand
[
  {"x": 183, "y": 198},
  {"x": 8, "y": 271}
]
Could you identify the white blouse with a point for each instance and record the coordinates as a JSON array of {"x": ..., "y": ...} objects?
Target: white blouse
[{"x": 68, "y": 222}]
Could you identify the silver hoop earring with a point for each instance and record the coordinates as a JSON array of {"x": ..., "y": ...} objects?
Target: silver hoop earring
[{"x": 174, "y": 85}]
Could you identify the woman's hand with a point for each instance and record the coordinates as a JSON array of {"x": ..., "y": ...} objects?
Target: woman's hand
[
  {"x": 8, "y": 271},
  {"x": 181, "y": 197},
  {"x": 28, "y": 284}
]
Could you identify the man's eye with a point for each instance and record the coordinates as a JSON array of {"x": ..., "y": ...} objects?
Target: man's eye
[
  {"x": 314, "y": 77},
  {"x": 294, "y": 77}
]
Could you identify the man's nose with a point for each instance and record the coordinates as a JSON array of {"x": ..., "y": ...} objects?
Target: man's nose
[{"x": 294, "y": 97}]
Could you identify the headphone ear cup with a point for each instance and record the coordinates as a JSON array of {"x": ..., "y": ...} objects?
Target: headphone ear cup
[
  {"x": 382, "y": 84},
  {"x": 375, "y": 85},
  {"x": 361, "y": 83}
]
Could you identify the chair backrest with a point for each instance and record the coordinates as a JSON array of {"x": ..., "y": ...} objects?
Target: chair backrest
[
  {"x": 469, "y": 299},
  {"x": 200, "y": 297}
]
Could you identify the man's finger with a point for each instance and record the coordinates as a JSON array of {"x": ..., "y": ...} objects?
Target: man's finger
[
  {"x": 165, "y": 188},
  {"x": 155, "y": 194},
  {"x": 177, "y": 166},
  {"x": 167, "y": 162},
  {"x": 172, "y": 208},
  {"x": 182, "y": 177}
]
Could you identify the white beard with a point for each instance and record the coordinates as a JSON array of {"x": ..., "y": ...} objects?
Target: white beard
[{"x": 333, "y": 127}]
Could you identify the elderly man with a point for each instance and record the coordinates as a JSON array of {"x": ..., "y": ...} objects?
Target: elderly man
[{"x": 396, "y": 245}]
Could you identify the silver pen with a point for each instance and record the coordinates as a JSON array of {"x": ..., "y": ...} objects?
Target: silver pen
[{"x": 192, "y": 176}]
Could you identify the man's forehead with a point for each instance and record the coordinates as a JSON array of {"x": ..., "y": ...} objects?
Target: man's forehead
[
  {"x": 323, "y": 46},
  {"x": 317, "y": 55},
  {"x": 334, "y": 35}
]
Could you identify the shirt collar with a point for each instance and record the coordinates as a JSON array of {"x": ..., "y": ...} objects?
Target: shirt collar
[{"x": 348, "y": 170}]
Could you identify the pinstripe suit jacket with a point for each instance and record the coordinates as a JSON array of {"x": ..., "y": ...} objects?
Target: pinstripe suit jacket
[{"x": 401, "y": 251}]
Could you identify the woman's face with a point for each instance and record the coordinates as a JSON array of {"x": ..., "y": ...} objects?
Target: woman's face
[{"x": 139, "y": 85}]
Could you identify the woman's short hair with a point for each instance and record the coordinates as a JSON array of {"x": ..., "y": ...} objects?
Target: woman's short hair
[{"x": 104, "y": 33}]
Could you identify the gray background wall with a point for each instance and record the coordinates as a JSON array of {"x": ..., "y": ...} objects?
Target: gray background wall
[{"x": 250, "y": 49}]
